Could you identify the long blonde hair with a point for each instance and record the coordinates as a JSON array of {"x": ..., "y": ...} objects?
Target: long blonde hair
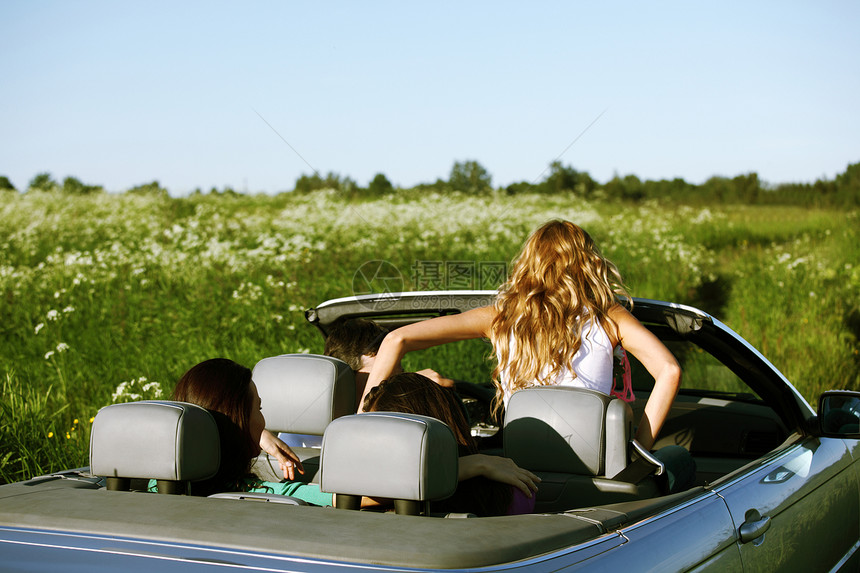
[{"x": 557, "y": 282}]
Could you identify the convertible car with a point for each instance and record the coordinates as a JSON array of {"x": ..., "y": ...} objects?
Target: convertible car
[{"x": 777, "y": 484}]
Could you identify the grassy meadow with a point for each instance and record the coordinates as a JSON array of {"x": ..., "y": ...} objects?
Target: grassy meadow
[{"x": 111, "y": 297}]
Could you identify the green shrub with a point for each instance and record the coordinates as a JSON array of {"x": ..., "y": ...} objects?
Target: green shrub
[
  {"x": 5, "y": 184},
  {"x": 42, "y": 182},
  {"x": 73, "y": 186}
]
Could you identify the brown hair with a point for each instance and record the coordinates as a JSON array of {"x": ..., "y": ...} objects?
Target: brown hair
[
  {"x": 350, "y": 339},
  {"x": 224, "y": 388},
  {"x": 558, "y": 281},
  {"x": 413, "y": 393}
]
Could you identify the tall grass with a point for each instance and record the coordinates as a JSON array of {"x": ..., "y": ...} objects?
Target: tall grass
[
  {"x": 36, "y": 435},
  {"x": 102, "y": 295}
]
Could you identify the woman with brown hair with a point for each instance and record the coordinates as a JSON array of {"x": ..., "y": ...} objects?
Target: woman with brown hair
[
  {"x": 226, "y": 390},
  {"x": 412, "y": 393}
]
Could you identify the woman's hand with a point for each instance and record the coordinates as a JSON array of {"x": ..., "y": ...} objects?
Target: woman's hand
[
  {"x": 437, "y": 378},
  {"x": 499, "y": 469},
  {"x": 287, "y": 459}
]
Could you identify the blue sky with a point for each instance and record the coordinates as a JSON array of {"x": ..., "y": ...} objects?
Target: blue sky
[{"x": 122, "y": 93}]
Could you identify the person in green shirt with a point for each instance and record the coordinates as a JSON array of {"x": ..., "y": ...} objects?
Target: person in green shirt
[{"x": 227, "y": 391}]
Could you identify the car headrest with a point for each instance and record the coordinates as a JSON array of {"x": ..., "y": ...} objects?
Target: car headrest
[
  {"x": 303, "y": 393},
  {"x": 567, "y": 430},
  {"x": 389, "y": 455},
  {"x": 159, "y": 440}
]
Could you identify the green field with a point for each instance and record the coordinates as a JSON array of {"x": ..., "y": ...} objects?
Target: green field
[{"x": 107, "y": 297}]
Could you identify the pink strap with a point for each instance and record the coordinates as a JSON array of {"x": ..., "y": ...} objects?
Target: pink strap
[{"x": 626, "y": 391}]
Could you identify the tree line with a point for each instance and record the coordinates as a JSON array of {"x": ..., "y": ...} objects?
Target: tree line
[{"x": 470, "y": 177}]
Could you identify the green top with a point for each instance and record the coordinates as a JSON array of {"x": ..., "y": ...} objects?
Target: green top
[{"x": 309, "y": 492}]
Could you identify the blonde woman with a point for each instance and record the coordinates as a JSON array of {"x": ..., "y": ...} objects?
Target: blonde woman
[{"x": 556, "y": 321}]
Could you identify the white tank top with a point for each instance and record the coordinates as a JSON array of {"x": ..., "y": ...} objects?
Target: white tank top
[{"x": 591, "y": 366}]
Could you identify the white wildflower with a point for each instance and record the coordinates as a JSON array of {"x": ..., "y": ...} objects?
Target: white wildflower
[
  {"x": 52, "y": 315},
  {"x": 797, "y": 262},
  {"x": 120, "y": 391},
  {"x": 49, "y": 354},
  {"x": 152, "y": 389},
  {"x": 62, "y": 347},
  {"x": 39, "y": 327},
  {"x": 134, "y": 390}
]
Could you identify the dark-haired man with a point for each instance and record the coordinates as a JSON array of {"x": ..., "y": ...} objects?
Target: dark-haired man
[{"x": 356, "y": 341}]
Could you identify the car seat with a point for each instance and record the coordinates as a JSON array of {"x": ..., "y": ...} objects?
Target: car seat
[
  {"x": 301, "y": 394},
  {"x": 408, "y": 458},
  {"x": 174, "y": 443},
  {"x": 580, "y": 443}
]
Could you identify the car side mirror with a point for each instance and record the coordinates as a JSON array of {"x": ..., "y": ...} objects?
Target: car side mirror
[{"x": 839, "y": 414}]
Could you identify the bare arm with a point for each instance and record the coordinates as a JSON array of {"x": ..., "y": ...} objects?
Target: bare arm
[
  {"x": 498, "y": 469},
  {"x": 287, "y": 459},
  {"x": 659, "y": 362},
  {"x": 437, "y": 378},
  {"x": 420, "y": 335}
]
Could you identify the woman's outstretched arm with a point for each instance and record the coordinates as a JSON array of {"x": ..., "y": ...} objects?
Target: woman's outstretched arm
[
  {"x": 420, "y": 335},
  {"x": 498, "y": 468},
  {"x": 659, "y": 362}
]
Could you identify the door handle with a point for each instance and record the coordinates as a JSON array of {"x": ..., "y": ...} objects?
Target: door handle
[{"x": 754, "y": 526}]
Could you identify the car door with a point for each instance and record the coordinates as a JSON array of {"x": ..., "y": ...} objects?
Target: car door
[
  {"x": 796, "y": 510},
  {"x": 697, "y": 535}
]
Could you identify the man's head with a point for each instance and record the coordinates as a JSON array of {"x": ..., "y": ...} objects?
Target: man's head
[{"x": 354, "y": 340}]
